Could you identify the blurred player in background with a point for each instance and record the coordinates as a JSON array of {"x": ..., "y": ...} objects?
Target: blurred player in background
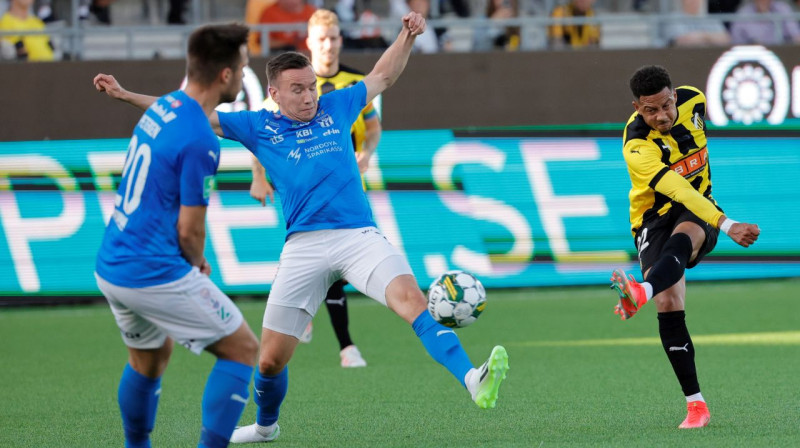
[
  {"x": 674, "y": 219},
  {"x": 325, "y": 43},
  {"x": 330, "y": 230},
  {"x": 151, "y": 266}
]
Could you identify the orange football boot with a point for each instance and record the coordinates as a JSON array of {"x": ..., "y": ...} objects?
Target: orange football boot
[
  {"x": 631, "y": 294},
  {"x": 698, "y": 416}
]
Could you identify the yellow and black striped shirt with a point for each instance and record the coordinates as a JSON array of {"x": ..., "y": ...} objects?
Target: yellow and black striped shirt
[{"x": 673, "y": 167}]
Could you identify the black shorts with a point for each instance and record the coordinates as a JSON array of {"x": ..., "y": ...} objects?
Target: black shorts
[{"x": 654, "y": 233}]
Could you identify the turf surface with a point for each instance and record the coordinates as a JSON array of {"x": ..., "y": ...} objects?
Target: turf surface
[{"x": 579, "y": 376}]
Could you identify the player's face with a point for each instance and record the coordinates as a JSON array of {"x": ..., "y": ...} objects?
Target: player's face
[
  {"x": 325, "y": 43},
  {"x": 234, "y": 86},
  {"x": 659, "y": 110},
  {"x": 295, "y": 92}
]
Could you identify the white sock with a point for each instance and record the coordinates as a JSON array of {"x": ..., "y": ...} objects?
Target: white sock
[
  {"x": 648, "y": 290},
  {"x": 265, "y": 430},
  {"x": 696, "y": 397},
  {"x": 467, "y": 378}
]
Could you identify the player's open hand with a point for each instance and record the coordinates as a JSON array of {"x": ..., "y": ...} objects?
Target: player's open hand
[
  {"x": 108, "y": 84},
  {"x": 415, "y": 23},
  {"x": 744, "y": 234},
  {"x": 260, "y": 190}
]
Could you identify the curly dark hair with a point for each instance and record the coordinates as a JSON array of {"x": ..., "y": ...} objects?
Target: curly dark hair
[{"x": 649, "y": 80}]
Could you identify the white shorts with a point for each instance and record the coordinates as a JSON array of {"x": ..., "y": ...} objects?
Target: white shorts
[
  {"x": 310, "y": 263},
  {"x": 191, "y": 310}
]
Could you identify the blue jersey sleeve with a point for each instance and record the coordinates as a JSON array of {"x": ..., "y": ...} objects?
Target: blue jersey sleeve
[
  {"x": 352, "y": 99},
  {"x": 199, "y": 162},
  {"x": 240, "y": 126}
]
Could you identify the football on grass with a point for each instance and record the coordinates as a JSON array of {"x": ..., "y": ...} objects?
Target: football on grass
[{"x": 456, "y": 299}]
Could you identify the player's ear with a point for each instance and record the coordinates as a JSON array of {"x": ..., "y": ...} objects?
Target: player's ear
[
  {"x": 635, "y": 105},
  {"x": 273, "y": 93},
  {"x": 226, "y": 75}
]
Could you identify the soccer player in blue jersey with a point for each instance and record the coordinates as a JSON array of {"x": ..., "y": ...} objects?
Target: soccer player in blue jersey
[
  {"x": 307, "y": 148},
  {"x": 151, "y": 267}
]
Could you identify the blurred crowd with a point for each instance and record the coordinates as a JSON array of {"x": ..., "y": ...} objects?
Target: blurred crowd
[{"x": 490, "y": 24}]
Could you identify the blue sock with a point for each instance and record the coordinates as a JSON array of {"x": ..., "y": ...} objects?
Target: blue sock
[
  {"x": 269, "y": 394},
  {"x": 443, "y": 345},
  {"x": 223, "y": 402},
  {"x": 138, "y": 401}
]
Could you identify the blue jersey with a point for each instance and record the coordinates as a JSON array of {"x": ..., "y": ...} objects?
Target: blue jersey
[
  {"x": 172, "y": 160},
  {"x": 311, "y": 163}
]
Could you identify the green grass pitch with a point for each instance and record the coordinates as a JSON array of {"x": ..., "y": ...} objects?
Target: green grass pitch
[{"x": 578, "y": 377}]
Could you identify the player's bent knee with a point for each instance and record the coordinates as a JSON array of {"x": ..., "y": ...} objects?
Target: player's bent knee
[
  {"x": 276, "y": 350},
  {"x": 669, "y": 300},
  {"x": 270, "y": 366}
]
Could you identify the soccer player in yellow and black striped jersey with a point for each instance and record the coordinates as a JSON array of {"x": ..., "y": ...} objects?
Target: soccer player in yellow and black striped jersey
[
  {"x": 325, "y": 43},
  {"x": 674, "y": 219}
]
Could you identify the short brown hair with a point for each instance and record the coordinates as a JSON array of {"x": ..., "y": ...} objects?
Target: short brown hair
[
  {"x": 323, "y": 17},
  {"x": 285, "y": 61},
  {"x": 213, "y": 48}
]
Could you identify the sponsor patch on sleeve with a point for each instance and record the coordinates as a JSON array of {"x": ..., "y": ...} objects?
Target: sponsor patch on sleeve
[{"x": 208, "y": 186}]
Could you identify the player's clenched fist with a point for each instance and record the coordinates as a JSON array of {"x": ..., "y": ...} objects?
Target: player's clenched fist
[
  {"x": 744, "y": 234},
  {"x": 415, "y": 23},
  {"x": 108, "y": 84}
]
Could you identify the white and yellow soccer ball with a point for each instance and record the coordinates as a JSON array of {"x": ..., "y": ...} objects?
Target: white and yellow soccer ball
[{"x": 456, "y": 299}]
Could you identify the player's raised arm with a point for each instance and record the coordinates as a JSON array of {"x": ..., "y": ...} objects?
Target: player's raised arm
[
  {"x": 112, "y": 87},
  {"x": 394, "y": 59}
]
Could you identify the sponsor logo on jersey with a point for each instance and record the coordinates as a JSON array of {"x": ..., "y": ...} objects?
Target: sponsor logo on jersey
[
  {"x": 300, "y": 124},
  {"x": 322, "y": 148},
  {"x": 294, "y": 154},
  {"x": 325, "y": 121},
  {"x": 270, "y": 128},
  {"x": 208, "y": 185},
  {"x": 303, "y": 133},
  {"x": 331, "y": 132},
  {"x": 277, "y": 139},
  {"x": 212, "y": 154},
  {"x": 691, "y": 165}
]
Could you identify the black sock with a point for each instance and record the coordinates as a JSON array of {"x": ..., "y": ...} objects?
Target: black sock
[
  {"x": 680, "y": 351},
  {"x": 669, "y": 268},
  {"x": 336, "y": 301}
]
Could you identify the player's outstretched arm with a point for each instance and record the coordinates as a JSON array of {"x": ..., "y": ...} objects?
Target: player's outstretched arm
[
  {"x": 742, "y": 233},
  {"x": 260, "y": 189},
  {"x": 394, "y": 59},
  {"x": 110, "y": 85}
]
